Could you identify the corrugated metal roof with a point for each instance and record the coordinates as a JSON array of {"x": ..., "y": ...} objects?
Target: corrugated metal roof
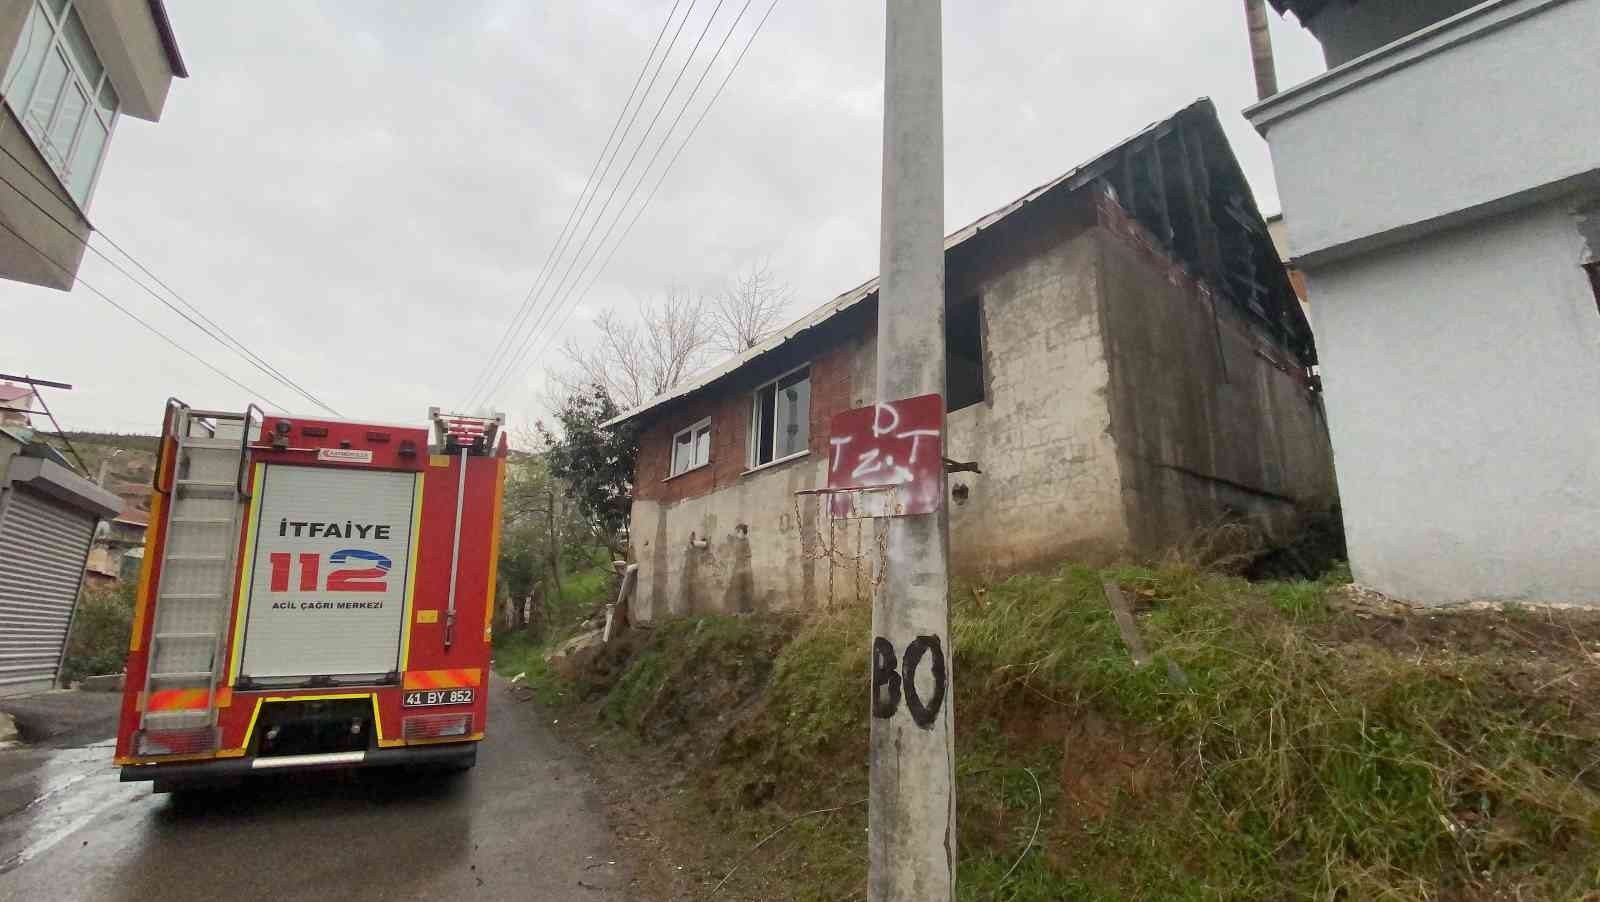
[{"x": 1070, "y": 180}]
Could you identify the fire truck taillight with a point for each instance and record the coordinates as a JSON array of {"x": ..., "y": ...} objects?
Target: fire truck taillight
[
  {"x": 436, "y": 726},
  {"x": 157, "y": 743}
]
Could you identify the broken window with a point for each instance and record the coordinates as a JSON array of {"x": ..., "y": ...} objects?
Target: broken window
[
  {"x": 780, "y": 424},
  {"x": 691, "y": 448},
  {"x": 963, "y": 354}
]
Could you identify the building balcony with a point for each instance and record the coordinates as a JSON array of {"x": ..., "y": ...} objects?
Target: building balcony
[
  {"x": 1482, "y": 112},
  {"x": 69, "y": 70}
]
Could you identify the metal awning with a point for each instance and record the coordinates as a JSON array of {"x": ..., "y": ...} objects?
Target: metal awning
[{"x": 50, "y": 478}]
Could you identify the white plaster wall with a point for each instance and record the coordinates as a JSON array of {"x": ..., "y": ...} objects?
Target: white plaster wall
[
  {"x": 1463, "y": 392},
  {"x": 1505, "y": 111}
]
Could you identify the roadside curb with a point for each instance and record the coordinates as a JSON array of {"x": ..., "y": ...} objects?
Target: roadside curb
[{"x": 111, "y": 682}]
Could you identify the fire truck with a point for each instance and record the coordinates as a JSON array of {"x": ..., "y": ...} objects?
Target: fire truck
[{"x": 315, "y": 594}]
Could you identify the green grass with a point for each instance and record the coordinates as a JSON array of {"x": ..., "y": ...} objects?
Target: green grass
[
  {"x": 582, "y": 591},
  {"x": 1298, "y": 763}
]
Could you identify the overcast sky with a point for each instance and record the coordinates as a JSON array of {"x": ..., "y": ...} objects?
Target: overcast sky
[{"x": 365, "y": 191}]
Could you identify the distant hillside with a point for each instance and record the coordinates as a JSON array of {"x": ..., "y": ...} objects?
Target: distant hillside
[
  {"x": 128, "y": 474},
  {"x": 147, "y": 443}
]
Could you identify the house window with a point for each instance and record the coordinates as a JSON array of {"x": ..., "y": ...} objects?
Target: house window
[
  {"x": 780, "y": 424},
  {"x": 963, "y": 355},
  {"x": 691, "y": 448},
  {"x": 59, "y": 90}
]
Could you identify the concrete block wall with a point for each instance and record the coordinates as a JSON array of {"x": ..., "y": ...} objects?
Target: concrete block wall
[
  {"x": 1210, "y": 418},
  {"x": 1107, "y": 426},
  {"x": 1050, "y": 487}
]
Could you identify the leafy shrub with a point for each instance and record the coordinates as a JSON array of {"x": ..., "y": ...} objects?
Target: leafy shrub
[{"x": 100, "y": 632}]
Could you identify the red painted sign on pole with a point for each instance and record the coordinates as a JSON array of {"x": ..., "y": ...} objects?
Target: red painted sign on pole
[{"x": 887, "y": 460}]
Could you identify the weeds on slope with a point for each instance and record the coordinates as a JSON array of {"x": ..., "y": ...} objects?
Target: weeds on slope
[{"x": 1314, "y": 752}]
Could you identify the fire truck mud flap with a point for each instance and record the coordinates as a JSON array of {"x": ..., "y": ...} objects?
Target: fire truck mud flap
[{"x": 452, "y": 756}]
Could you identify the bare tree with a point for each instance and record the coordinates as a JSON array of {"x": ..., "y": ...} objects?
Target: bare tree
[
  {"x": 748, "y": 309},
  {"x": 636, "y": 360}
]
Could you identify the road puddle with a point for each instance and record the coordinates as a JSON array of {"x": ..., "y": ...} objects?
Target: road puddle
[{"x": 69, "y": 788}]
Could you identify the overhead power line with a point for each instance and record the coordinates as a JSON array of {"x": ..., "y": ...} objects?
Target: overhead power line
[
  {"x": 524, "y": 337},
  {"x": 568, "y": 229},
  {"x": 220, "y": 335},
  {"x": 556, "y": 297},
  {"x": 136, "y": 318},
  {"x": 254, "y": 358},
  {"x": 551, "y": 333}
]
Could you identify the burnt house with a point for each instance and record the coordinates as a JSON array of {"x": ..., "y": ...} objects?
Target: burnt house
[{"x": 1127, "y": 362}]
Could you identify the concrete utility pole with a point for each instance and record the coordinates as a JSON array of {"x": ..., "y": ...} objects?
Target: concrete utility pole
[{"x": 912, "y": 813}]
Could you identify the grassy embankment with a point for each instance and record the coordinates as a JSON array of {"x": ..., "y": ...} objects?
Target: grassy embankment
[
  {"x": 583, "y": 591},
  {"x": 1319, "y": 750}
]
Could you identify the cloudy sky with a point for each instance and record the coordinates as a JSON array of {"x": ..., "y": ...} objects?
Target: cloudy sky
[{"x": 365, "y": 191}]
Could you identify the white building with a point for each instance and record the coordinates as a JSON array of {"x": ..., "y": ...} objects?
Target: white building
[
  {"x": 1441, "y": 184},
  {"x": 70, "y": 71}
]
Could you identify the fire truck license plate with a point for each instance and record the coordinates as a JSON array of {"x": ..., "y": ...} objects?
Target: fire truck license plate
[{"x": 429, "y": 697}]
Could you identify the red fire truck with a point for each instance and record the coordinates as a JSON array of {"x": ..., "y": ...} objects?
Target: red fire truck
[{"x": 315, "y": 594}]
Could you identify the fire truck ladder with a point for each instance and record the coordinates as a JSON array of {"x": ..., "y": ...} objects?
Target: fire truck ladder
[
  {"x": 206, "y": 498},
  {"x": 461, "y": 435}
]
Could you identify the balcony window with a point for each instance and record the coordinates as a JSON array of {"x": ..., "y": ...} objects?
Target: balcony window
[{"x": 59, "y": 90}]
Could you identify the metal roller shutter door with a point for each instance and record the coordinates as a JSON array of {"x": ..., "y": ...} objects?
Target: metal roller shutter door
[{"x": 43, "y": 545}]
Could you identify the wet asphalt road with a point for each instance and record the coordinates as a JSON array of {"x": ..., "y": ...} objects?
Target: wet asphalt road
[{"x": 525, "y": 824}]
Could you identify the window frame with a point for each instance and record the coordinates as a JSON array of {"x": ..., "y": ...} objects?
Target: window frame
[
  {"x": 694, "y": 433},
  {"x": 58, "y": 43},
  {"x": 752, "y": 457}
]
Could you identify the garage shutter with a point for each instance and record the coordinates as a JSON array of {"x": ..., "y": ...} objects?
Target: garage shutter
[{"x": 43, "y": 544}]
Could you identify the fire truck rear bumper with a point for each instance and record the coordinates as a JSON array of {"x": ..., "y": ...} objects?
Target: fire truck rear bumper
[{"x": 458, "y": 754}]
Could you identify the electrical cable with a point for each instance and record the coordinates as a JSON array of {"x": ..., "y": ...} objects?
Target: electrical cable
[
  {"x": 569, "y": 229},
  {"x": 5, "y": 224},
  {"x": 250, "y": 356},
  {"x": 255, "y": 358},
  {"x": 659, "y": 181},
  {"x": 533, "y": 335}
]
